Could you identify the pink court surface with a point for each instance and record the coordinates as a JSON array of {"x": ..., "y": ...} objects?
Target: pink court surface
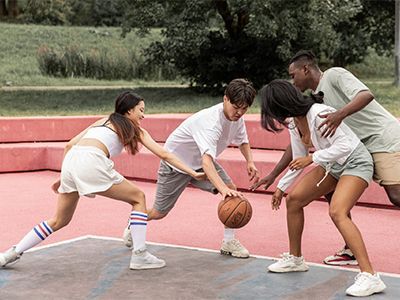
[{"x": 30, "y": 160}]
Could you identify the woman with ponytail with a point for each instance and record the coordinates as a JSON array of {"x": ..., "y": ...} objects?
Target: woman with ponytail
[
  {"x": 343, "y": 166},
  {"x": 88, "y": 170}
]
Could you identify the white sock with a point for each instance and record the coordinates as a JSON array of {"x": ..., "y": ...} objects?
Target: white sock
[
  {"x": 38, "y": 234},
  {"x": 229, "y": 234},
  {"x": 138, "y": 227}
]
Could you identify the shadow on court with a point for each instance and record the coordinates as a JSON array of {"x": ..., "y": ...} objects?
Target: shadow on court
[{"x": 95, "y": 268}]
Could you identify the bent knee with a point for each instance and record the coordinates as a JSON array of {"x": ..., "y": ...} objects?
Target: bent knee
[
  {"x": 138, "y": 197},
  {"x": 337, "y": 215},
  {"x": 293, "y": 201}
]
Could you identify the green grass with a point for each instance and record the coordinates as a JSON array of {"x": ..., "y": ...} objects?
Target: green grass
[
  {"x": 158, "y": 100},
  {"x": 95, "y": 102},
  {"x": 20, "y": 43}
]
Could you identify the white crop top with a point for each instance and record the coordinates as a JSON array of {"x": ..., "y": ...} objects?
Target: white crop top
[{"x": 106, "y": 136}]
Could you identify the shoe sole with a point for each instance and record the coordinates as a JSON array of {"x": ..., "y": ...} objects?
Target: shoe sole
[
  {"x": 287, "y": 270},
  {"x": 342, "y": 263},
  {"x": 146, "y": 267},
  {"x": 10, "y": 264},
  {"x": 379, "y": 289},
  {"x": 223, "y": 252}
]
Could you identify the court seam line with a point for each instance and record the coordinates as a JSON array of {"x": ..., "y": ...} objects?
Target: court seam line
[{"x": 107, "y": 238}]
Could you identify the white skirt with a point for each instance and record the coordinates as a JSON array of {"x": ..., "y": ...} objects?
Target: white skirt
[{"x": 87, "y": 170}]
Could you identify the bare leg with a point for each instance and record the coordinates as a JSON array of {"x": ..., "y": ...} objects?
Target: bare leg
[
  {"x": 66, "y": 205},
  {"x": 347, "y": 192},
  {"x": 304, "y": 193}
]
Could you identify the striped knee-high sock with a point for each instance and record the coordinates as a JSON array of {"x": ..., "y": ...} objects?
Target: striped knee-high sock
[
  {"x": 138, "y": 227},
  {"x": 38, "y": 234}
]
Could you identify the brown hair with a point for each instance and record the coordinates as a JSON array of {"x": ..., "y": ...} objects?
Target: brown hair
[
  {"x": 128, "y": 131},
  {"x": 240, "y": 92}
]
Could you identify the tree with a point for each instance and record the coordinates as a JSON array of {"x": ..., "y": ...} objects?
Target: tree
[{"x": 212, "y": 41}]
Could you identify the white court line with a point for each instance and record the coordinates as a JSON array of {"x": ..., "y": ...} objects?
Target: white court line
[{"x": 98, "y": 237}]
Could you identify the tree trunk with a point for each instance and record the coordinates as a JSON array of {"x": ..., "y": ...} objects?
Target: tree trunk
[
  {"x": 13, "y": 10},
  {"x": 3, "y": 8}
]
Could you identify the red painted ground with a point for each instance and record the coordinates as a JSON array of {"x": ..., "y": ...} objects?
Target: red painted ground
[{"x": 26, "y": 199}]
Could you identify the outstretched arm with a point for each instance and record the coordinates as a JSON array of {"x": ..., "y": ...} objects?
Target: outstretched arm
[
  {"x": 269, "y": 179},
  {"x": 155, "y": 148},
  {"x": 215, "y": 179},
  {"x": 252, "y": 171}
]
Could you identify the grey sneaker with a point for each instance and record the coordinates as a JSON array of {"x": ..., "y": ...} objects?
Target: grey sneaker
[
  {"x": 9, "y": 257},
  {"x": 289, "y": 263},
  {"x": 234, "y": 248},
  {"x": 142, "y": 259},
  {"x": 127, "y": 237}
]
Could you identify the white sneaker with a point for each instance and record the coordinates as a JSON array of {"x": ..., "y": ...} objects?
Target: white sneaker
[
  {"x": 142, "y": 259},
  {"x": 127, "y": 237},
  {"x": 366, "y": 284},
  {"x": 9, "y": 257},
  {"x": 341, "y": 258},
  {"x": 234, "y": 248},
  {"x": 289, "y": 263}
]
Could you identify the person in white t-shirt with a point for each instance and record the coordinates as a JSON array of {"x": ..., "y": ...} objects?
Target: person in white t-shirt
[
  {"x": 343, "y": 166},
  {"x": 87, "y": 170},
  {"x": 198, "y": 141}
]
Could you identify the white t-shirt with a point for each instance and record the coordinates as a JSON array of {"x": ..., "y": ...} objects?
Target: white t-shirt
[
  {"x": 328, "y": 150},
  {"x": 205, "y": 132}
]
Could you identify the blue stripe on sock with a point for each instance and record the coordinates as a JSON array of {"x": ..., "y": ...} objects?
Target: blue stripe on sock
[
  {"x": 138, "y": 214},
  {"x": 47, "y": 227},
  {"x": 138, "y": 223},
  {"x": 37, "y": 232}
]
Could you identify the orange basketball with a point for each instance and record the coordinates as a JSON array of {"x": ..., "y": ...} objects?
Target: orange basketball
[{"x": 234, "y": 212}]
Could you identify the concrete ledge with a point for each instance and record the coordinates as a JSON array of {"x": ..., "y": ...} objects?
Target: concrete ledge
[
  {"x": 144, "y": 165},
  {"x": 160, "y": 126}
]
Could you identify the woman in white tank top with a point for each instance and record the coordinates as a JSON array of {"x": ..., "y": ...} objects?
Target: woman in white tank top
[{"x": 87, "y": 170}]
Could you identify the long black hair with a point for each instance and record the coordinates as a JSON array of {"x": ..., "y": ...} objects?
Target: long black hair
[
  {"x": 280, "y": 100},
  {"x": 128, "y": 132}
]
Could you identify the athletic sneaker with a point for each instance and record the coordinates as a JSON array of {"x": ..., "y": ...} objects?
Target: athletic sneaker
[
  {"x": 127, "y": 237},
  {"x": 366, "y": 284},
  {"x": 234, "y": 248},
  {"x": 342, "y": 258},
  {"x": 289, "y": 263},
  {"x": 9, "y": 257},
  {"x": 141, "y": 259}
]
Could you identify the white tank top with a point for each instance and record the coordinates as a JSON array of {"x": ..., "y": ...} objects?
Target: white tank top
[{"x": 106, "y": 136}]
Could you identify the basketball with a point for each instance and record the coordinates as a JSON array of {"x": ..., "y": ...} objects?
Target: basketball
[{"x": 234, "y": 212}]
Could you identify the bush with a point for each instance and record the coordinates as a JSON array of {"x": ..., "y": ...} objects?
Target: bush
[{"x": 121, "y": 63}]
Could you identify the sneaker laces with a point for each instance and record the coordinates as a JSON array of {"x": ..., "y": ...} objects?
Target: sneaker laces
[
  {"x": 286, "y": 256},
  {"x": 236, "y": 243},
  {"x": 361, "y": 278}
]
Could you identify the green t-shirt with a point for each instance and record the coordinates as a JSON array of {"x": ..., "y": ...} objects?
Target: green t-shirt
[{"x": 378, "y": 129}]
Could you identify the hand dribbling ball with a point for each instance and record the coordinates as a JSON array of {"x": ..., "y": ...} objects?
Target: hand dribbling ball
[{"x": 234, "y": 212}]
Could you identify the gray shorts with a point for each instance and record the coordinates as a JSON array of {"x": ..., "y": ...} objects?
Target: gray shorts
[
  {"x": 171, "y": 183},
  {"x": 359, "y": 164}
]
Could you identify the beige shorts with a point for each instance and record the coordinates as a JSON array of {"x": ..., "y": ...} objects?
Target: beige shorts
[
  {"x": 387, "y": 168},
  {"x": 87, "y": 170}
]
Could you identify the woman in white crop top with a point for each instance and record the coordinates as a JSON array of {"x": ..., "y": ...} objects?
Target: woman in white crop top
[
  {"x": 343, "y": 166},
  {"x": 87, "y": 170}
]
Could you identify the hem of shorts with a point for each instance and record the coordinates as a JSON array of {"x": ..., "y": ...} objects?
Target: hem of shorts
[{"x": 93, "y": 191}]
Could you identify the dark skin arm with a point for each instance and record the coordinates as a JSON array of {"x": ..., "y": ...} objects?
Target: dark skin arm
[
  {"x": 333, "y": 120},
  {"x": 279, "y": 168}
]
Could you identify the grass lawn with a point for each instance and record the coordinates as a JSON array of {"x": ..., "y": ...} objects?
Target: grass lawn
[{"x": 158, "y": 100}]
